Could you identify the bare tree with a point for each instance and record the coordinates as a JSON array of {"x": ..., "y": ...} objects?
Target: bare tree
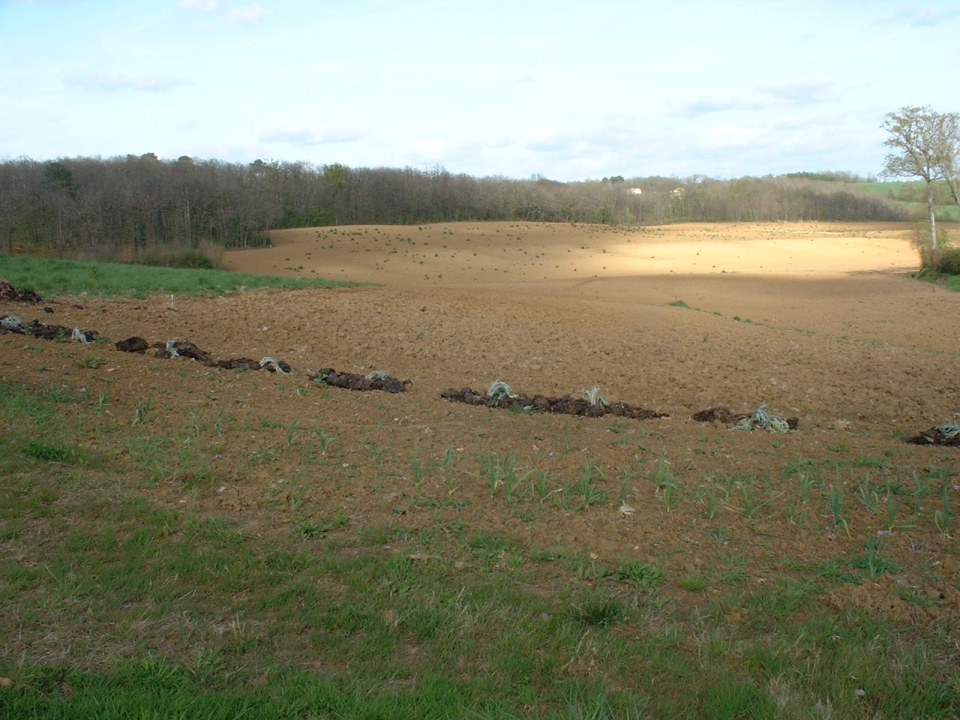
[
  {"x": 949, "y": 163},
  {"x": 921, "y": 141}
]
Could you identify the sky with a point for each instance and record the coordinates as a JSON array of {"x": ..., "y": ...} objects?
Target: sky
[{"x": 570, "y": 90}]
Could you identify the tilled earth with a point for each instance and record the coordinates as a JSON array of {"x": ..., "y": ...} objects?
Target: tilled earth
[{"x": 732, "y": 316}]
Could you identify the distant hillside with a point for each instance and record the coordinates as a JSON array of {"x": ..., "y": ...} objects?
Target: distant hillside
[{"x": 909, "y": 195}]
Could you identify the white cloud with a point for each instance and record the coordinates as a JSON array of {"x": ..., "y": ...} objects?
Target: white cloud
[
  {"x": 931, "y": 15},
  {"x": 119, "y": 82},
  {"x": 295, "y": 134},
  {"x": 238, "y": 15},
  {"x": 802, "y": 92},
  {"x": 247, "y": 15},
  {"x": 201, "y": 5},
  {"x": 708, "y": 105},
  {"x": 728, "y": 136},
  {"x": 546, "y": 139},
  {"x": 429, "y": 147},
  {"x": 779, "y": 95},
  {"x": 542, "y": 133}
]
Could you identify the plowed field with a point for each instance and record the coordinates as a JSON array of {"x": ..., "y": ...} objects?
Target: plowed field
[{"x": 816, "y": 321}]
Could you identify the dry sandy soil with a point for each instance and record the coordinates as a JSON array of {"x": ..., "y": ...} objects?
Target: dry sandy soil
[{"x": 817, "y": 321}]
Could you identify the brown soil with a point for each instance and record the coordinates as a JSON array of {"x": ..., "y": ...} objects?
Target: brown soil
[{"x": 817, "y": 321}]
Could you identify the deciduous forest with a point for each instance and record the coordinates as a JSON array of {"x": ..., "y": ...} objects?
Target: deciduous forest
[{"x": 125, "y": 205}]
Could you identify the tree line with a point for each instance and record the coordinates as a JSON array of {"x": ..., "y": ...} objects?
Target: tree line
[{"x": 132, "y": 203}]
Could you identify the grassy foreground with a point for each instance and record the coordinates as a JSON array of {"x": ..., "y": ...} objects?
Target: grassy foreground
[
  {"x": 68, "y": 277},
  {"x": 118, "y": 603}
]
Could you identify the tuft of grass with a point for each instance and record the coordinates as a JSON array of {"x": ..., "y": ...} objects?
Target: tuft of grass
[
  {"x": 692, "y": 583},
  {"x": 599, "y": 612},
  {"x": 665, "y": 482},
  {"x": 709, "y": 497},
  {"x": 943, "y": 514},
  {"x": 872, "y": 562},
  {"x": 585, "y": 490},
  {"x": 835, "y": 500},
  {"x": 312, "y": 529},
  {"x": 90, "y": 361},
  {"x": 642, "y": 575},
  {"x": 56, "y": 452},
  {"x": 418, "y": 469}
]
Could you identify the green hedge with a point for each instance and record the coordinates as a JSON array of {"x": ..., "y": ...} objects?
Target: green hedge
[{"x": 950, "y": 262}]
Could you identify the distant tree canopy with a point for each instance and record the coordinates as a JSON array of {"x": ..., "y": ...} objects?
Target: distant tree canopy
[
  {"x": 846, "y": 177},
  {"x": 77, "y": 204}
]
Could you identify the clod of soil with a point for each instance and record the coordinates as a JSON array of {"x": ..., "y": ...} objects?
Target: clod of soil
[
  {"x": 718, "y": 414},
  {"x": 46, "y": 332},
  {"x": 133, "y": 345},
  {"x": 941, "y": 435},
  {"x": 9, "y": 292},
  {"x": 184, "y": 348},
  {"x": 240, "y": 363},
  {"x": 722, "y": 414},
  {"x": 363, "y": 383},
  {"x": 565, "y": 405}
]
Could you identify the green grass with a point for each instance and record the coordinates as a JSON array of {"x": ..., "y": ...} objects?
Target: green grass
[
  {"x": 66, "y": 277},
  {"x": 120, "y": 601},
  {"x": 891, "y": 189},
  {"x": 950, "y": 282},
  {"x": 908, "y": 194}
]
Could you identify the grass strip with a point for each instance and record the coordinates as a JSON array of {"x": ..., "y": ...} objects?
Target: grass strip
[{"x": 68, "y": 277}]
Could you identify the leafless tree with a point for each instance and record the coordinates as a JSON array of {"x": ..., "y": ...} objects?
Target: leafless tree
[{"x": 924, "y": 145}]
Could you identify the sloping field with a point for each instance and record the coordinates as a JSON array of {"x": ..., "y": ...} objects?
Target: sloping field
[
  {"x": 470, "y": 253},
  {"x": 816, "y": 321}
]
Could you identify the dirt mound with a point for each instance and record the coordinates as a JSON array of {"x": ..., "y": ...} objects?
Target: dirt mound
[
  {"x": 133, "y": 345},
  {"x": 942, "y": 435},
  {"x": 34, "y": 328},
  {"x": 246, "y": 364},
  {"x": 181, "y": 348},
  {"x": 719, "y": 414},
  {"x": 9, "y": 292},
  {"x": 565, "y": 405},
  {"x": 376, "y": 380},
  {"x": 185, "y": 348},
  {"x": 758, "y": 419}
]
